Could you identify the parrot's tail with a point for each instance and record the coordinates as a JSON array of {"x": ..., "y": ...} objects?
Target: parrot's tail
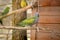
[{"x": 1, "y": 22}]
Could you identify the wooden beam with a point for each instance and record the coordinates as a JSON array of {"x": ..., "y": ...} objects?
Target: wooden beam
[
  {"x": 26, "y": 28},
  {"x": 18, "y": 28}
]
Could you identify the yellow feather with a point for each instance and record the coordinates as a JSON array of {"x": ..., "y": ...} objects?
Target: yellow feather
[{"x": 23, "y": 3}]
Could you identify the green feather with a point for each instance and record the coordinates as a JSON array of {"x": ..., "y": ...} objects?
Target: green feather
[
  {"x": 5, "y": 11},
  {"x": 27, "y": 22}
]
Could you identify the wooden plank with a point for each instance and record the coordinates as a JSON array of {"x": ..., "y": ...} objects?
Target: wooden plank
[
  {"x": 49, "y": 25},
  {"x": 49, "y": 8},
  {"x": 49, "y": 2},
  {"x": 43, "y": 36},
  {"x": 33, "y": 35},
  {"x": 49, "y": 11},
  {"x": 46, "y": 36},
  {"x": 55, "y": 27},
  {"x": 44, "y": 2},
  {"x": 49, "y": 19}
]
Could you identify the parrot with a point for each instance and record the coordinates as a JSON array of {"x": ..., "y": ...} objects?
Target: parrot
[
  {"x": 29, "y": 21},
  {"x": 23, "y": 4},
  {"x": 5, "y": 11}
]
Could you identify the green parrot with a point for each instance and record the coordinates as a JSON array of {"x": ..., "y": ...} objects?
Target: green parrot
[
  {"x": 29, "y": 21},
  {"x": 5, "y": 11}
]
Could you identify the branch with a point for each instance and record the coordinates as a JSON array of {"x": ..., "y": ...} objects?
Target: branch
[
  {"x": 18, "y": 28},
  {"x": 16, "y": 11},
  {"x": 41, "y": 29}
]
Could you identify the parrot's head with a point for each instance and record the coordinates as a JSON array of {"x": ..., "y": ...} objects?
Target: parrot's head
[
  {"x": 7, "y": 8},
  {"x": 36, "y": 14}
]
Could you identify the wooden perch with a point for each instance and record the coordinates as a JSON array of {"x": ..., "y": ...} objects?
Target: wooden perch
[
  {"x": 27, "y": 28},
  {"x": 16, "y": 11},
  {"x": 18, "y": 28}
]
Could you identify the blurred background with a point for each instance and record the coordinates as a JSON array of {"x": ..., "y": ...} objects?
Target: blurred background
[{"x": 49, "y": 18}]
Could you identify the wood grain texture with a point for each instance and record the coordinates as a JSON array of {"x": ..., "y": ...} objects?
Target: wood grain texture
[
  {"x": 49, "y": 2},
  {"x": 55, "y": 27},
  {"x": 49, "y": 11},
  {"x": 49, "y": 19},
  {"x": 46, "y": 36}
]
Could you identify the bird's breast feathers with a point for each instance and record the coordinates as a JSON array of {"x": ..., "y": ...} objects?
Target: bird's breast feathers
[{"x": 23, "y": 4}]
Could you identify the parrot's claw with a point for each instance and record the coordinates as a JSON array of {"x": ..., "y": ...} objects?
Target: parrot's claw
[{"x": 38, "y": 29}]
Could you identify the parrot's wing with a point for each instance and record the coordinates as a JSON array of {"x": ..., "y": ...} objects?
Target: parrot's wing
[{"x": 5, "y": 11}]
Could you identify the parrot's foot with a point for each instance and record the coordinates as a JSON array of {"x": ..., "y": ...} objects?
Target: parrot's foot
[{"x": 38, "y": 29}]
